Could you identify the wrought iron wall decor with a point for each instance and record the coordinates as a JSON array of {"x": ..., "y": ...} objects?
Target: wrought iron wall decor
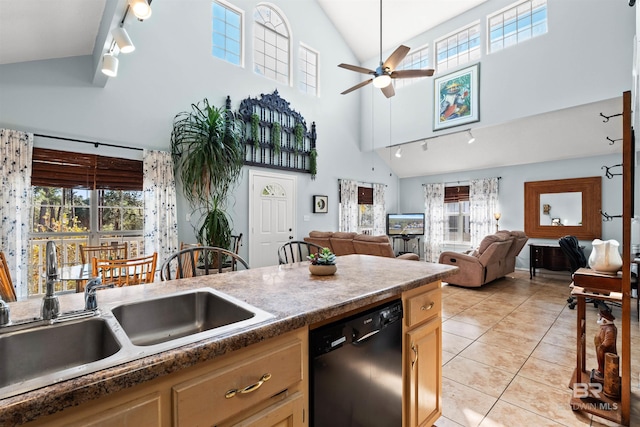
[{"x": 276, "y": 137}]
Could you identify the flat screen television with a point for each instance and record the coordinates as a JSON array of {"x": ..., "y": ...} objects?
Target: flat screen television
[{"x": 405, "y": 224}]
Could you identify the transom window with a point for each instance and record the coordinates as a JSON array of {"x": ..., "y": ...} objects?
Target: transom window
[
  {"x": 517, "y": 23},
  {"x": 308, "y": 65},
  {"x": 271, "y": 44},
  {"x": 458, "y": 48},
  {"x": 457, "y": 215},
  {"x": 227, "y": 32},
  {"x": 416, "y": 60}
]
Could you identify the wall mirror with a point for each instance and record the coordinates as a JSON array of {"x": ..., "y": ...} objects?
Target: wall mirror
[{"x": 556, "y": 208}]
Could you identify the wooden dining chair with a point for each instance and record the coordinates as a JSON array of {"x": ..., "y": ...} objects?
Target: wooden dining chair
[
  {"x": 296, "y": 251},
  {"x": 126, "y": 272},
  {"x": 7, "y": 292},
  {"x": 113, "y": 251},
  {"x": 200, "y": 260}
]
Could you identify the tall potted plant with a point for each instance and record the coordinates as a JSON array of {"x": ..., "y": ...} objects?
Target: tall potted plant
[{"x": 208, "y": 157}]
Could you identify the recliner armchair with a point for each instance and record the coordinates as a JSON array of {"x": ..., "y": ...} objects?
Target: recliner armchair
[{"x": 494, "y": 258}]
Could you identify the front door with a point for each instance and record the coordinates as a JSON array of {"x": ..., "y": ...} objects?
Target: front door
[{"x": 272, "y": 204}]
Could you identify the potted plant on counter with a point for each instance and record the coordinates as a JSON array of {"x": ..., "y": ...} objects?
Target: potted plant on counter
[{"x": 323, "y": 263}]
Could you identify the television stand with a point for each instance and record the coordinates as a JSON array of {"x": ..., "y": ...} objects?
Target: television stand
[{"x": 406, "y": 238}]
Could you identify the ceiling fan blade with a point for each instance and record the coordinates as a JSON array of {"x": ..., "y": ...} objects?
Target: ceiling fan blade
[
  {"x": 403, "y": 74},
  {"x": 388, "y": 90},
  {"x": 356, "y": 69},
  {"x": 358, "y": 86},
  {"x": 396, "y": 57}
]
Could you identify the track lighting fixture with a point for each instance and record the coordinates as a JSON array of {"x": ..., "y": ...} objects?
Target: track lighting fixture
[
  {"x": 123, "y": 40},
  {"x": 424, "y": 146},
  {"x": 399, "y": 152},
  {"x": 471, "y": 137},
  {"x": 109, "y": 64},
  {"x": 140, "y": 8}
]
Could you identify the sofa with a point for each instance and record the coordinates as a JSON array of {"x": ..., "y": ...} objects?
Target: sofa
[
  {"x": 346, "y": 243},
  {"x": 494, "y": 258}
]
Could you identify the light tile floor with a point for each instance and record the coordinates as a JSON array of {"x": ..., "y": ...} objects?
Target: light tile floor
[{"x": 509, "y": 353}]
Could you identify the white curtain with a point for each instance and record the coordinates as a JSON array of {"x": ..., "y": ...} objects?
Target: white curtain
[
  {"x": 15, "y": 199},
  {"x": 434, "y": 224},
  {"x": 160, "y": 218},
  {"x": 483, "y": 198},
  {"x": 348, "y": 205},
  {"x": 379, "y": 210}
]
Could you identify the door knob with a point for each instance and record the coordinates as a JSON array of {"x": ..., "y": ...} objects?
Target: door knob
[{"x": 290, "y": 237}]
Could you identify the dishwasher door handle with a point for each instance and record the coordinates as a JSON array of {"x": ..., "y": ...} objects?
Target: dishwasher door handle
[{"x": 366, "y": 336}]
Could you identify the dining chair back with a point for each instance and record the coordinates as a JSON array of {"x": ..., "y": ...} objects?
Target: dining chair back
[
  {"x": 296, "y": 251},
  {"x": 7, "y": 292},
  {"x": 113, "y": 251},
  {"x": 125, "y": 272},
  {"x": 200, "y": 260}
]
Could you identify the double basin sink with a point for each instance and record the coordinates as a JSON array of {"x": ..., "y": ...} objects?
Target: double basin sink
[{"x": 43, "y": 355}]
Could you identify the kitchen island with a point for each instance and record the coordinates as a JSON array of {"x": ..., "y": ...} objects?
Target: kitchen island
[{"x": 296, "y": 299}]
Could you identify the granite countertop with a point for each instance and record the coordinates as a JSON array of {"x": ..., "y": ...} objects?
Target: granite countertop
[{"x": 289, "y": 292}]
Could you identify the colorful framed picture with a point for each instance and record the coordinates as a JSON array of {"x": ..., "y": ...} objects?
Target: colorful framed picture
[
  {"x": 320, "y": 204},
  {"x": 457, "y": 98}
]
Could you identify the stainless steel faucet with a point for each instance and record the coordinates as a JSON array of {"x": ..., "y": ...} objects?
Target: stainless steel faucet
[
  {"x": 50, "y": 303},
  {"x": 90, "y": 299}
]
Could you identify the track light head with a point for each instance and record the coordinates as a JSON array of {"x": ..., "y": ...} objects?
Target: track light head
[
  {"x": 424, "y": 146},
  {"x": 399, "y": 152},
  {"x": 109, "y": 65},
  {"x": 140, "y": 8},
  {"x": 471, "y": 137},
  {"x": 123, "y": 40}
]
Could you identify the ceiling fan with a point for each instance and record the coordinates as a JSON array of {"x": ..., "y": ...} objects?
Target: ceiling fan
[{"x": 383, "y": 75}]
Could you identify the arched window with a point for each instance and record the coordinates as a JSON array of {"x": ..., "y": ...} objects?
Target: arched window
[{"x": 271, "y": 55}]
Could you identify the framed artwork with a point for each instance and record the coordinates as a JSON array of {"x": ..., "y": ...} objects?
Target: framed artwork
[
  {"x": 457, "y": 98},
  {"x": 320, "y": 204}
]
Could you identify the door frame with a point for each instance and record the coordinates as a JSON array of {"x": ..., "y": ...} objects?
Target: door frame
[{"x": 294, "y": 200}]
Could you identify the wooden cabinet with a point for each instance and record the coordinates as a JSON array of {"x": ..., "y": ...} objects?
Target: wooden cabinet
[
  {"x": 422, "y": 348},
  {"x": 549, "y": 257},
  {"x": 260, "y": 385}
]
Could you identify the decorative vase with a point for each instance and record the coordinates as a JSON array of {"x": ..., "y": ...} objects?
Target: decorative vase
[
  {"x": 322, "y": 270},
  {"x": 605, "y": 257}
]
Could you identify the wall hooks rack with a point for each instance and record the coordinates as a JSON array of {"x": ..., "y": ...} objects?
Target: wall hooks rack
[
  {"x": 606, "y": 118},
  {"x": 608, "y": 172},
  {"x": 607, "y": 217},
  {"x": 613, "y": 141}
]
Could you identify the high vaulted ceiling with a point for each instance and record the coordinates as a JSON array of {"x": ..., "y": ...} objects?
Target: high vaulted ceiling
[{"x": 32, "y": 30}]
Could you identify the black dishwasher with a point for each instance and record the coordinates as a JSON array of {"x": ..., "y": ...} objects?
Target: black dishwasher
[{"x": 356, "y": 370}]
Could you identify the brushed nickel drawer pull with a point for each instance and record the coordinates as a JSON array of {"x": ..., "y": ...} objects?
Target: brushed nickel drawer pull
[
  {"x": 423, "y": 308},
  {"x": 248, "y": 389}
]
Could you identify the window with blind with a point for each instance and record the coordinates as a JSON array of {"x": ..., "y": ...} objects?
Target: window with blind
[
  {"x": 456, "y": 211},
  {"x": 82, "y": 199}
]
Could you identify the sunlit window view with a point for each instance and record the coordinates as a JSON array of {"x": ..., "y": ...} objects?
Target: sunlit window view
[
  {"x": 416, "y": 60},
  {"x": 271, "y": 44},
  {"x": 227, "y": 33},
  {"x": 517, "y": 24},
  {"x": 73, "y": 217},
  {"x": 458, "y": 48}
]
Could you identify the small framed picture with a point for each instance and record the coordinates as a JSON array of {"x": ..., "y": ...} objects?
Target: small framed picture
[{"x": 320, "y": 204}]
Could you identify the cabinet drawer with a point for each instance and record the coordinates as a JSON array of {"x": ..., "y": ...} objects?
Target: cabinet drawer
[
  {"x": 423, "y": 307},
  {"x": 204, "y": 401}
]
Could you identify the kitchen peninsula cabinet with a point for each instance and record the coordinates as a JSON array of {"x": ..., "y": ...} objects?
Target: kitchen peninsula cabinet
[
  {"x": 422, "y": 344},
  {"x": 198, "y": 395}
]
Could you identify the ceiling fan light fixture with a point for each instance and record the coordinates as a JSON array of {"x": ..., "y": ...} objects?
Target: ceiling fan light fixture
[
  {"x": 109, "y": 65},
  {"x": 381, "y": 81},
  {"x": 140, "y": 8},
  {"x": 123, "y": 40},
  {"x": 399, "y": 152}
]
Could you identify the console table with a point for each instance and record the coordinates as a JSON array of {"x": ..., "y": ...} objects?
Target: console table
[
  {"x": 549, "y": 257},
  {"x": 405, "y": 239}
]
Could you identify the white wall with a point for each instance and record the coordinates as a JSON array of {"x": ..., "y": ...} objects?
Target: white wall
[
  {"x": 586, "y": 56},
  {"x": 511, "y": 193}
]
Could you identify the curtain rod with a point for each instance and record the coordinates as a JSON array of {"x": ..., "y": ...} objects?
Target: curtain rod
[
  {"x": 361, "y": 182},
  {"x": 455, "y": 182},
  {"x": 83, "y": 141}
]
